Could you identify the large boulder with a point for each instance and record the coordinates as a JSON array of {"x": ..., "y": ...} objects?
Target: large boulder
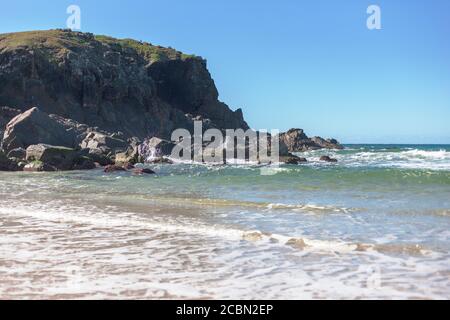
[
  {"x": 104, "y": 143},
  {"x": 35, "y": 127},
  {"x": 61, "y": 158}
]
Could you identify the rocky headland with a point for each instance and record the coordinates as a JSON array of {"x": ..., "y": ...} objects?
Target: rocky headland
[{"x": 72, "y": 101}]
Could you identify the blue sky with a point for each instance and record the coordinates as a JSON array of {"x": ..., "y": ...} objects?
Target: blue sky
[{"x": 291, "y": 63}]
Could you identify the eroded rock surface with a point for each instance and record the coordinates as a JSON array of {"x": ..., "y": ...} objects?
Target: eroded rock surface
[{"x": 297, "y": 141}]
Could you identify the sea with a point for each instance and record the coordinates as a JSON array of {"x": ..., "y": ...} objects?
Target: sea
[{"x": 374, "y": 225}]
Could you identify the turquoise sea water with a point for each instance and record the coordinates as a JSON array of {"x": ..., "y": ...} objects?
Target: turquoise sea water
[{"x": 374, "y": 225}]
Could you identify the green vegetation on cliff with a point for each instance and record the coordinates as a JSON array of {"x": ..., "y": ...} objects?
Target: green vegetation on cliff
[{"x": 62, "y": 39}]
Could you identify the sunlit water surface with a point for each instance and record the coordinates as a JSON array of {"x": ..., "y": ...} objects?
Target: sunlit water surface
[{"x": 375, "y": 225}]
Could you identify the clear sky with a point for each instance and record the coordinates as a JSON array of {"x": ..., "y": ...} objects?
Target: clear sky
[{"x": 292, "y": 63}]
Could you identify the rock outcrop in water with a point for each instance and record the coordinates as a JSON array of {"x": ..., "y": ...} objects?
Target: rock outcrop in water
[
  {"x": 109, "y": 100},
  {"x": 84, "y": 91},
  {"x": 33, "y": 127},
  {"x": 297, "y": 141}
]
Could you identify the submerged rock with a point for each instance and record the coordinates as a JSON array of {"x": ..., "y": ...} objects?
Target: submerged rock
[
  {"x": 160, "y": 160},
  {"x": 328, "y": 159},
  {"x": 296, "y": 243},
  {"x": 252, "y": 236},
  {"x": 114, "y": 168},
  {"x": 143, "y": 171},
  {"x": 292, "y": 159}
]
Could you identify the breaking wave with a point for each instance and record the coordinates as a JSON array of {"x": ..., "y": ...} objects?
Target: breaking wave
[{"x": 406, "y": 158}]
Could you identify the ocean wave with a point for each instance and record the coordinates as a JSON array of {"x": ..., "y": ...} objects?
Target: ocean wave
[
  {"x": 129, "y": 221},
  {"x": 308, "y": 207},
  {"x": 408, "y": 158}
]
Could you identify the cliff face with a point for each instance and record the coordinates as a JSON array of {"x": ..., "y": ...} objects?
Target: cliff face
[{"x": 123, "y": 85}]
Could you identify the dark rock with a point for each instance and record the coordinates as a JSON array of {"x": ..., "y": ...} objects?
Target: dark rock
[
  {"x": 297, "y": 141},
  {"x": 97, "y": 156},
  {"x": 160, "y": 160},
  {"x": 103, "y": 143},
  {"x": 130, "y": 156},
  {"x": 155, "y": 148},
  {"x": 296, "y": 243},
  {"x": 83, "y": 163},
  {"x": 34, "y": 127},
  {"x": 113, "y": 168},
  {"x": 78, "y": 130},
  {"x": 327, "y": 143},
  {"x": 21, "y": 165},
  {"x": 294, "y": 139},
  {"x": 7, "y": 164},
  {"x": 61, "y": 158},
  {"x": 291, "y": 159},
  {"x": 328, "y": 159},
  {"x": 142, "y": 171},
  {"x": 128, "y": 166},
  {"x": 18, "y": 153}
]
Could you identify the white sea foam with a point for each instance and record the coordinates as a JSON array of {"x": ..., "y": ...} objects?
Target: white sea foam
[
  {"x": 408, "y": 158},
  {"x": 69, "y": 251},
  {"x": 130, "y": 221},
  {"x": 72, "y": 253}
]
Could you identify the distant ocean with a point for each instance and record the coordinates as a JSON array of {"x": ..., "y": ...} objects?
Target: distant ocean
[{"x": 374, "y": 225}]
